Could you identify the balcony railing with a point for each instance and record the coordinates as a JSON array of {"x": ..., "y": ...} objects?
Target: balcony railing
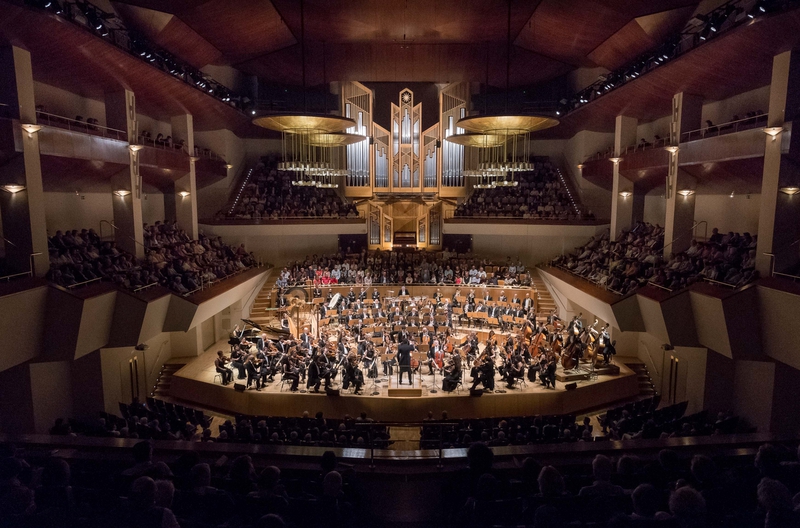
[
  {"x": 74, "y": 125},
  {"x": 725, "y": 128}
]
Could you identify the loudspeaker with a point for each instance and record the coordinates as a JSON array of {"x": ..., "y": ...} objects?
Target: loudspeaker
[
  {"x": 239, "y": 387},
  {"x": 475, "y": 393},
  {"x": 332, "y": 392},
  {"x": 571, "y": 386}
]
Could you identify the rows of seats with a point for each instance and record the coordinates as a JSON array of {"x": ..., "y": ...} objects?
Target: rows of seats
[
  {"x": 270, "y": 195},
  {"x": 173, "y": 260},
  {"x": 307, "y": 431},
  {"x": 412, "y": 267},
  {"x": 636, "y": 259},
  {"x": 540, "y": 194}
]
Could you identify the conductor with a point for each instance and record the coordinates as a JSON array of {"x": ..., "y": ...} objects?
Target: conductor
[{"x": 404, "y": 360}]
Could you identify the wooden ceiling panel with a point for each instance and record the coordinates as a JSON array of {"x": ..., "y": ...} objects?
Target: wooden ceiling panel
[
  {"x": 624, "y": 45},
  {"x": 170, "y": 33},
  {"x": 240, "y": 29}
]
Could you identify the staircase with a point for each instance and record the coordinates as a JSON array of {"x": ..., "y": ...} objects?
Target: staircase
[
  {"x": 646, "y": 386},
  {"x": 164, "y": 380},
  {"x": 545, "y": 301},
  {"x": 265, "y": 299}
]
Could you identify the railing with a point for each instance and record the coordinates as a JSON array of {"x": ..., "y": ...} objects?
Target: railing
[
  {"x": 163, "y": 144},
  {"x": 15, "y": 275},
  {"x": 774, "y": 273},
  {"x": 202, "y": 152},
  {"x": 582, "y": 220},
  {"x": 641, "y": 147},
  {"x": 730, "y": 127},
  {"x": 600, "y": 285},
  {"x": 719, "y": 283},
  {"x": 691, "y": 231},
  {"x": 207, "y": 284},
  {"x": 284, "y": 219},
  {"x": 53, "y": 120},
  {"x": 651, "y": 283},
  {"x": 84, "y": 283},
  {"x": 145, "y": 287}
]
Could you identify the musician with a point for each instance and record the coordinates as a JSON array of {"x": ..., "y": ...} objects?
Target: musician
[
  {"x": 575, "y": 326},
  {"x": 516, "y": 300},
  {"x": 527, "y": 304},
  {"x": 319, "y": 370},
  {"x": 362, "y": 296},
  {"x": 351, "y": 296},
  {"x": 471, "y": 298},
  {"x": 452, "y": 373},
  {"x": 352, "y": 374},
  {"x": 553, "y": 318},
  {"x": 290, "y": 369},
  {"x": 329, "y": 297},
  {"x": 403, "y": 291},
  {"x": 404, "y": 351},
  {"x": 502, "y": 297},
  {"x": 454, "y": 301},
  {"x": 305, "y": 338},
  {"x": 317, "y": 293},
  {"x": 253, "y": 376},
  {"x": 435, "y": 355},
  {"x": 376, "y": 295},
  {"x": 486, "y": 296},
  {"x": 484, "y": 372},
  {"x": 237, "y": 361},
  {"x": 282, "y": 301},
  {"x": 371, "y": 361},
  {"x": 438, "y": 296},
  {"x": 515, "y": 369},
  {"x": 548, "y": 373},
  {"x": 537, "y": 363},
  {"x": 224, "y": 372}
]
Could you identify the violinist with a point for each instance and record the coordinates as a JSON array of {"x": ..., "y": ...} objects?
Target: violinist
[
  {"x": 370, "y": 361},
  {"x": 319, "y": 370},
  {"x": 352, "y": 374},
  {"x": 527, "y": 304},
  {"x": 253, "y": 377},
  {"x": 237, "y": 361},
  {"x": 483, "y": 369},
  {"x": 452, "y": 373},
  {"x": 548, "y": 373},
  {"x": 224, "y": 372},
  {"x": 290, "y": 369},
  {"x": 435, "y": 356},
  {"x": 515, "y": 369}
]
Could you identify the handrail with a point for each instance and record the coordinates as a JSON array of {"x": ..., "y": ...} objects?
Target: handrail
[
  {"x": 256, "y": 290},
  {"x": 691, "y": 230},
  {"x": 71, "y": 286},
  {"x": 57, "y": 121},
  {"x": 651, "y": 283},
  {"x": 706, "y": 279},
  {"x": 163, "y": 145},
  {"x": 146, "y": 286},
  {"x": 729, "y": 127},
  {"x": 14, "y": 275}
]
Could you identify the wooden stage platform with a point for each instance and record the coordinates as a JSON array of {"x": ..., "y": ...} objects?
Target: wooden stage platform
[{"x": 195, "y": 383}]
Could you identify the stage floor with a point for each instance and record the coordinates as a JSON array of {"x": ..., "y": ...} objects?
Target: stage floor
[{"x": 382, "y": 400}]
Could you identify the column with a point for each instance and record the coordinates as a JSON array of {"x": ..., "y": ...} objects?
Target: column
[
  {"x": 184, "y": 195},
  {"x": 622, "y": 189},
  {"x": 779, "y": 218},
  {"x": 127, "y": 184},
  {"x": 22, "y": 195},
  {"x": 687, "y": 111}
]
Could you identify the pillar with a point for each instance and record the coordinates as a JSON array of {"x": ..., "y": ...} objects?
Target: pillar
[
  {"x": 779, "y": 218},
  {"x": 23, "y": 217},
  {"x": 687, "y": 111},
  {"x": 127, "y": 184},
  {"x": 185, "y": 205},
  {"x": 622, "y": 188}
]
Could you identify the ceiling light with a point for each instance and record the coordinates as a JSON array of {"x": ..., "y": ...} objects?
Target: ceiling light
[
  {"x": 31, "y": 129},
  {"x": 184, "y": 194},
  {"x": 122, "y": 192},
  {"x": 135, "y": 148},
  {"x": 791, "y": 190},
  {"x": 625, "y": 194},
  {"x": 773, "y": 131},
  {"x": 686, "y": 192},
  {"x": 13, "y": 188}
]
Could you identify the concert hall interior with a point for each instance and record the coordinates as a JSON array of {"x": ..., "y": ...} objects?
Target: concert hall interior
[{"x": 399, "y": 263}]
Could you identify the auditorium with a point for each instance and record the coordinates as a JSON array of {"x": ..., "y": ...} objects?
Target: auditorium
[{"x": 399, "y": 264}]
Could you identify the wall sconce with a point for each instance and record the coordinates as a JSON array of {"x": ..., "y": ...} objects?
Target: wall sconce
[
  {"x": 193, "y": 158},
  {"x": 31, "y": 129},
  {"x": 13, "y": 188},
  {"x": 672, "y": 149},
  {"x": 790, "y": 190},
  {"x": 135, "y": 148},
  {"x": 773, "y": 131},
  {"x": 122, "y": 193},
  {"x": 183, "y": 194},
  {"x": 625, "y": 194},
  {"x": 228, "y": 166},
  {"x": 686, "y": 192},
  {"x": 615, "y": 161},
  {"x": 580, "y": 166}
]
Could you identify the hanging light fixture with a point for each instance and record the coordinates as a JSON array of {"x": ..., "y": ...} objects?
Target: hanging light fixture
[{"x": 311, "y": 143}]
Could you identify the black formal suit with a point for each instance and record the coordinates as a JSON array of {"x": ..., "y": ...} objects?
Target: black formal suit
[{"x": 404, "y": 361}]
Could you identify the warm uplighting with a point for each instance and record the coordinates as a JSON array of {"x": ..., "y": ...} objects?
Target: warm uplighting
[
  {"x": 194, "y": 158},
  {"x": 31, "y": 129},
  {"x": 672, "y": 149},
  {"x": 580, "y": 166},
  {"x": 13, "y": 188},
  {"x": 792, "y": 190},
  {"x": 626, "y": 194},
  {"x": 686, "y": 192},
  {"x": 122, "y": 192},
  {"x": 228, "y": 166},
  {"x": 184, "y": 194},
  {"x": 773, "y": 131},
  {"x": 615, "y": 161},
  {"x": 135, "y": 148}
]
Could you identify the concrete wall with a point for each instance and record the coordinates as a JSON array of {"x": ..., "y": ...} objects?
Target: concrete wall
[
  {"x": 67, "y": 104},
  {"x": 67, "y": 210}
]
